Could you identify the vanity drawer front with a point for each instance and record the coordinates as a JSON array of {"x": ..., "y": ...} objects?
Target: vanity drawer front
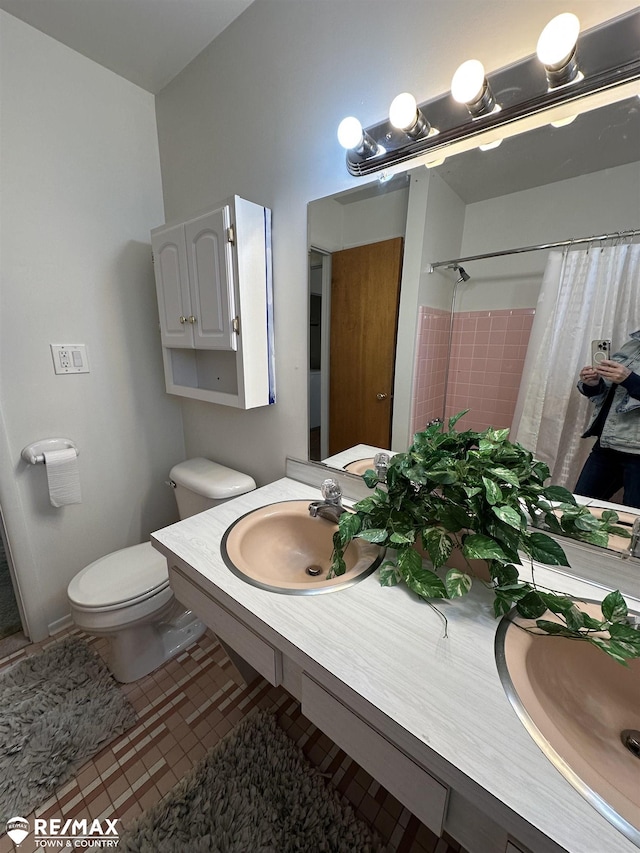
[
  {"x": 253, "y": 649},
  {"x": 423, "y": 795}
]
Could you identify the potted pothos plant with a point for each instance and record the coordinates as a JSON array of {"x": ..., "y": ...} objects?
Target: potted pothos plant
[{"x": 486, "y": 496}]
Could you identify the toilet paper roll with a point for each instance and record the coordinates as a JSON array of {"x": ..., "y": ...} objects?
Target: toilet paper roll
[{"x": 63, "y": 476}]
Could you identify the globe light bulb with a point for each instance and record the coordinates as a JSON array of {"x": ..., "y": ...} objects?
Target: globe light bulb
[
  {"x": 468, "y": 83},
  {"x": 350, "y": 132},
  {"x": 403, "y": 111},
  {"x": 563, "y": 122},
  {"x": 558, "y": 40},
  {"x": 489, "y": 146}
]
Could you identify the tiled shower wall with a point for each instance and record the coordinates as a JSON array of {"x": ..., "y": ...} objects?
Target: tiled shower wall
[
  {"x": 429, "y": 375},
  {"x": 488, "y": 349}
]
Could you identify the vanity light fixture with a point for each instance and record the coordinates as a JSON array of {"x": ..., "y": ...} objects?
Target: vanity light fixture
[
  {"x": 470, "y": 87},
  {"x": 556, "y": 50},
  {"x": 404, "y": 115},
  {"x": 352, "y": 137},
  {"x": 520, "y": 98}
]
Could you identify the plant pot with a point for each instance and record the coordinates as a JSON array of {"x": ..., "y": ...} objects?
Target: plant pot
[
  {"x": 475, "y": 568},
  {"x": 457, "y": 560}
]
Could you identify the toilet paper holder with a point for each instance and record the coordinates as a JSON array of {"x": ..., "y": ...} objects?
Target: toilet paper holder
[{"x": 34, "y": 453}]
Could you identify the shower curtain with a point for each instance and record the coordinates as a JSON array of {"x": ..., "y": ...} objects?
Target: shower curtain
[{"x": 585, "y": 295}]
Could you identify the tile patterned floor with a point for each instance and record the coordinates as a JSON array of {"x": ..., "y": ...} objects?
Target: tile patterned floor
[{"x": 184, "y": 709}]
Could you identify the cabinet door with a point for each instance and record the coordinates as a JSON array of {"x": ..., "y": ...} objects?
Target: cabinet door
[
  {"x": 172, "y": 284},
  {"x": 210, "y": 264}
]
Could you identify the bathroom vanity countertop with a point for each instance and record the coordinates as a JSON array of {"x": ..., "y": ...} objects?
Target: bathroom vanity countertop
[{"x": 443, "y": 695}]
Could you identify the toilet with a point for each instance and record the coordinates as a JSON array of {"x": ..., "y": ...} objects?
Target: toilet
[{"x": 125, "y": 596}]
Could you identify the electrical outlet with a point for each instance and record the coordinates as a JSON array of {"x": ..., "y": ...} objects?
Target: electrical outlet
[{"x": 70, "y": 358}]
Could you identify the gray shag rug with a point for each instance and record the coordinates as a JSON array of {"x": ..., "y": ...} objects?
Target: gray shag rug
[
  {"x": 57, "y": 708},
  {"x": 254, "y": 792}
]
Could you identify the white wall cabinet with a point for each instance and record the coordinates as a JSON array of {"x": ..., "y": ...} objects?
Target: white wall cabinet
[{"x": 215, "y": 302}]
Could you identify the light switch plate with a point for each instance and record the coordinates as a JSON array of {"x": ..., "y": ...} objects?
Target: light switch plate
[{"x": 70, "y": 358}]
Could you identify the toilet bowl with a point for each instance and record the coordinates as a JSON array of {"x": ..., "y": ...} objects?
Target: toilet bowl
[{"x": 125, "y": 596}]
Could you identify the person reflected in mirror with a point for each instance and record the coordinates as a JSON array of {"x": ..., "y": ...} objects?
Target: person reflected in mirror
[{"x": 613, "y": 386}]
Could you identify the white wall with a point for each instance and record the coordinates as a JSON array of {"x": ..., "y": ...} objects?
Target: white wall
[
  {"x": 80, "y": 191},
  {"x": 256, "y": 114},
  {"x": 599, "y": 203}
]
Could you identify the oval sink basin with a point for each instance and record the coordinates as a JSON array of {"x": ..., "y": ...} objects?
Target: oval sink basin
[
  {"x": 359, "y": 466},
  {"x": 576, "y": 702},
  {"x": 280, "y": 547}
]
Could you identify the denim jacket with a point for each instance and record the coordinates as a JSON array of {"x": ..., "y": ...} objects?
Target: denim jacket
[{"x": 621, "y": 430}]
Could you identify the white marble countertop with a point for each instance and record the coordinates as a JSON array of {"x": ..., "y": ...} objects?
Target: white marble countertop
[{"x": 388, "y": 647}]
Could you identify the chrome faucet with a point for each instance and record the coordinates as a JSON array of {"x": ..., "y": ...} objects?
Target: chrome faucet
[
  {"x": 331, "y": 507},
  {"x": 381, "y": 464}
]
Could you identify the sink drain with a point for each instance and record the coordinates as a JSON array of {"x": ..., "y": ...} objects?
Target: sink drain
[
  {"x": 314, "y": 571},
  {"x": 631, "y": 739}
]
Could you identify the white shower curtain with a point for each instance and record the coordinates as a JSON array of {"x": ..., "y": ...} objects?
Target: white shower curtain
[{"x": 585, "y": 295}]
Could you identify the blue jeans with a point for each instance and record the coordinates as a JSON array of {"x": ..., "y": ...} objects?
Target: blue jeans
[{"x": 606, "y": 471}]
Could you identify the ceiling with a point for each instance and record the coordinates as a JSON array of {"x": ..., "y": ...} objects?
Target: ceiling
[
  {"x": 150, "y": 41},
  {"x": 145, "y": 41}
]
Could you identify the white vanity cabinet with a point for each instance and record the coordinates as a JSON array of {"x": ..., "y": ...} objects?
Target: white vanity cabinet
[{"x": 214, "y": 287}]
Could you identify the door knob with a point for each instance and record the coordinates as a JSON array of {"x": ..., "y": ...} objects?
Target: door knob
[{"x": 381, "y": 396}]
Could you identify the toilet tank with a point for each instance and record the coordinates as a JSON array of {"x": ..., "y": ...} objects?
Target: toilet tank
[{"x": 200, "y": 484}]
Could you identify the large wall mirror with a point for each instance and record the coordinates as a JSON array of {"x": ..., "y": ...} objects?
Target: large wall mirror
[{"x": 394, "y": 344}]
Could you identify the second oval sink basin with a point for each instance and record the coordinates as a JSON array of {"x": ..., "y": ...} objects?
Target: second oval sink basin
[
  {"x": 280, "y": 547},
  {"x": 359, "y": 466},
  {"x": 580, "y": 707}
]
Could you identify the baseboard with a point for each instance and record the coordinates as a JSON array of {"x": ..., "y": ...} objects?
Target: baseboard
[{"x": 60, "y": 624}]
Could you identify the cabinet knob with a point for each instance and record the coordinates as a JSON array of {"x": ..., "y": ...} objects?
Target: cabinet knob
[
  {"x": 381, "y": 396},
  {"x": 192, "y": 319},
  {"x": 183, "y": 320}
]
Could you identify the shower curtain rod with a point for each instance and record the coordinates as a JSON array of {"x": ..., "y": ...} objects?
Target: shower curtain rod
[{"x": 618, "y": 235}]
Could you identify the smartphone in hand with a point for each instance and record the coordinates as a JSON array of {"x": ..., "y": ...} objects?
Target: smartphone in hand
[{"x": 600, "y": 351}]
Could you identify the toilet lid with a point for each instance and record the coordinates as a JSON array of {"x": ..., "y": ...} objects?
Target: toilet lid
[{"x": 123, "y": 577}]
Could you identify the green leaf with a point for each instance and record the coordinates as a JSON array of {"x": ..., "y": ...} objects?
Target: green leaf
[
  {"x": 586, "y": 522},
  {"x": 620, "y": 631},
  {"x": 502, "y": 603},
  {"x": 374, "y": 535},
  {"x": 438, "y": 545},
  {"x": 531, "y": 606},
  {"x": 422, "y": 581},
  {"x": 620, "y": 652},
  {"x": 349, "y": 525},
  {"x": 457, "y": 583},
  {"x": 400, "y": 538},
  {"x": 506, "y": 475},
  {"x": 497, "y": 436},
  {"x": 389, "y": 575},
  {"x": 338, "y": 565},
  {"x": 558, "y": 493},
  {"x": 575, "y": 618},
  {"x": 614, "y": 607},
  {"x": 454, "y": 420},
  {"x": 556, "y": 628},
  {"x": 510, "y": 516},
  {"x": 492, "y": 491},
  {"x": 366, "y": 505},
  {"x": 544, "y": 549},
  {"x": 471, "y": 491},
  {"x": 444, "y": 477},
  {"x": 540, "y": 471},
  {"x": 476, "y": 546},
  {"x": 371, "y": 478},
  {"x": 505, "y": 575}
]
